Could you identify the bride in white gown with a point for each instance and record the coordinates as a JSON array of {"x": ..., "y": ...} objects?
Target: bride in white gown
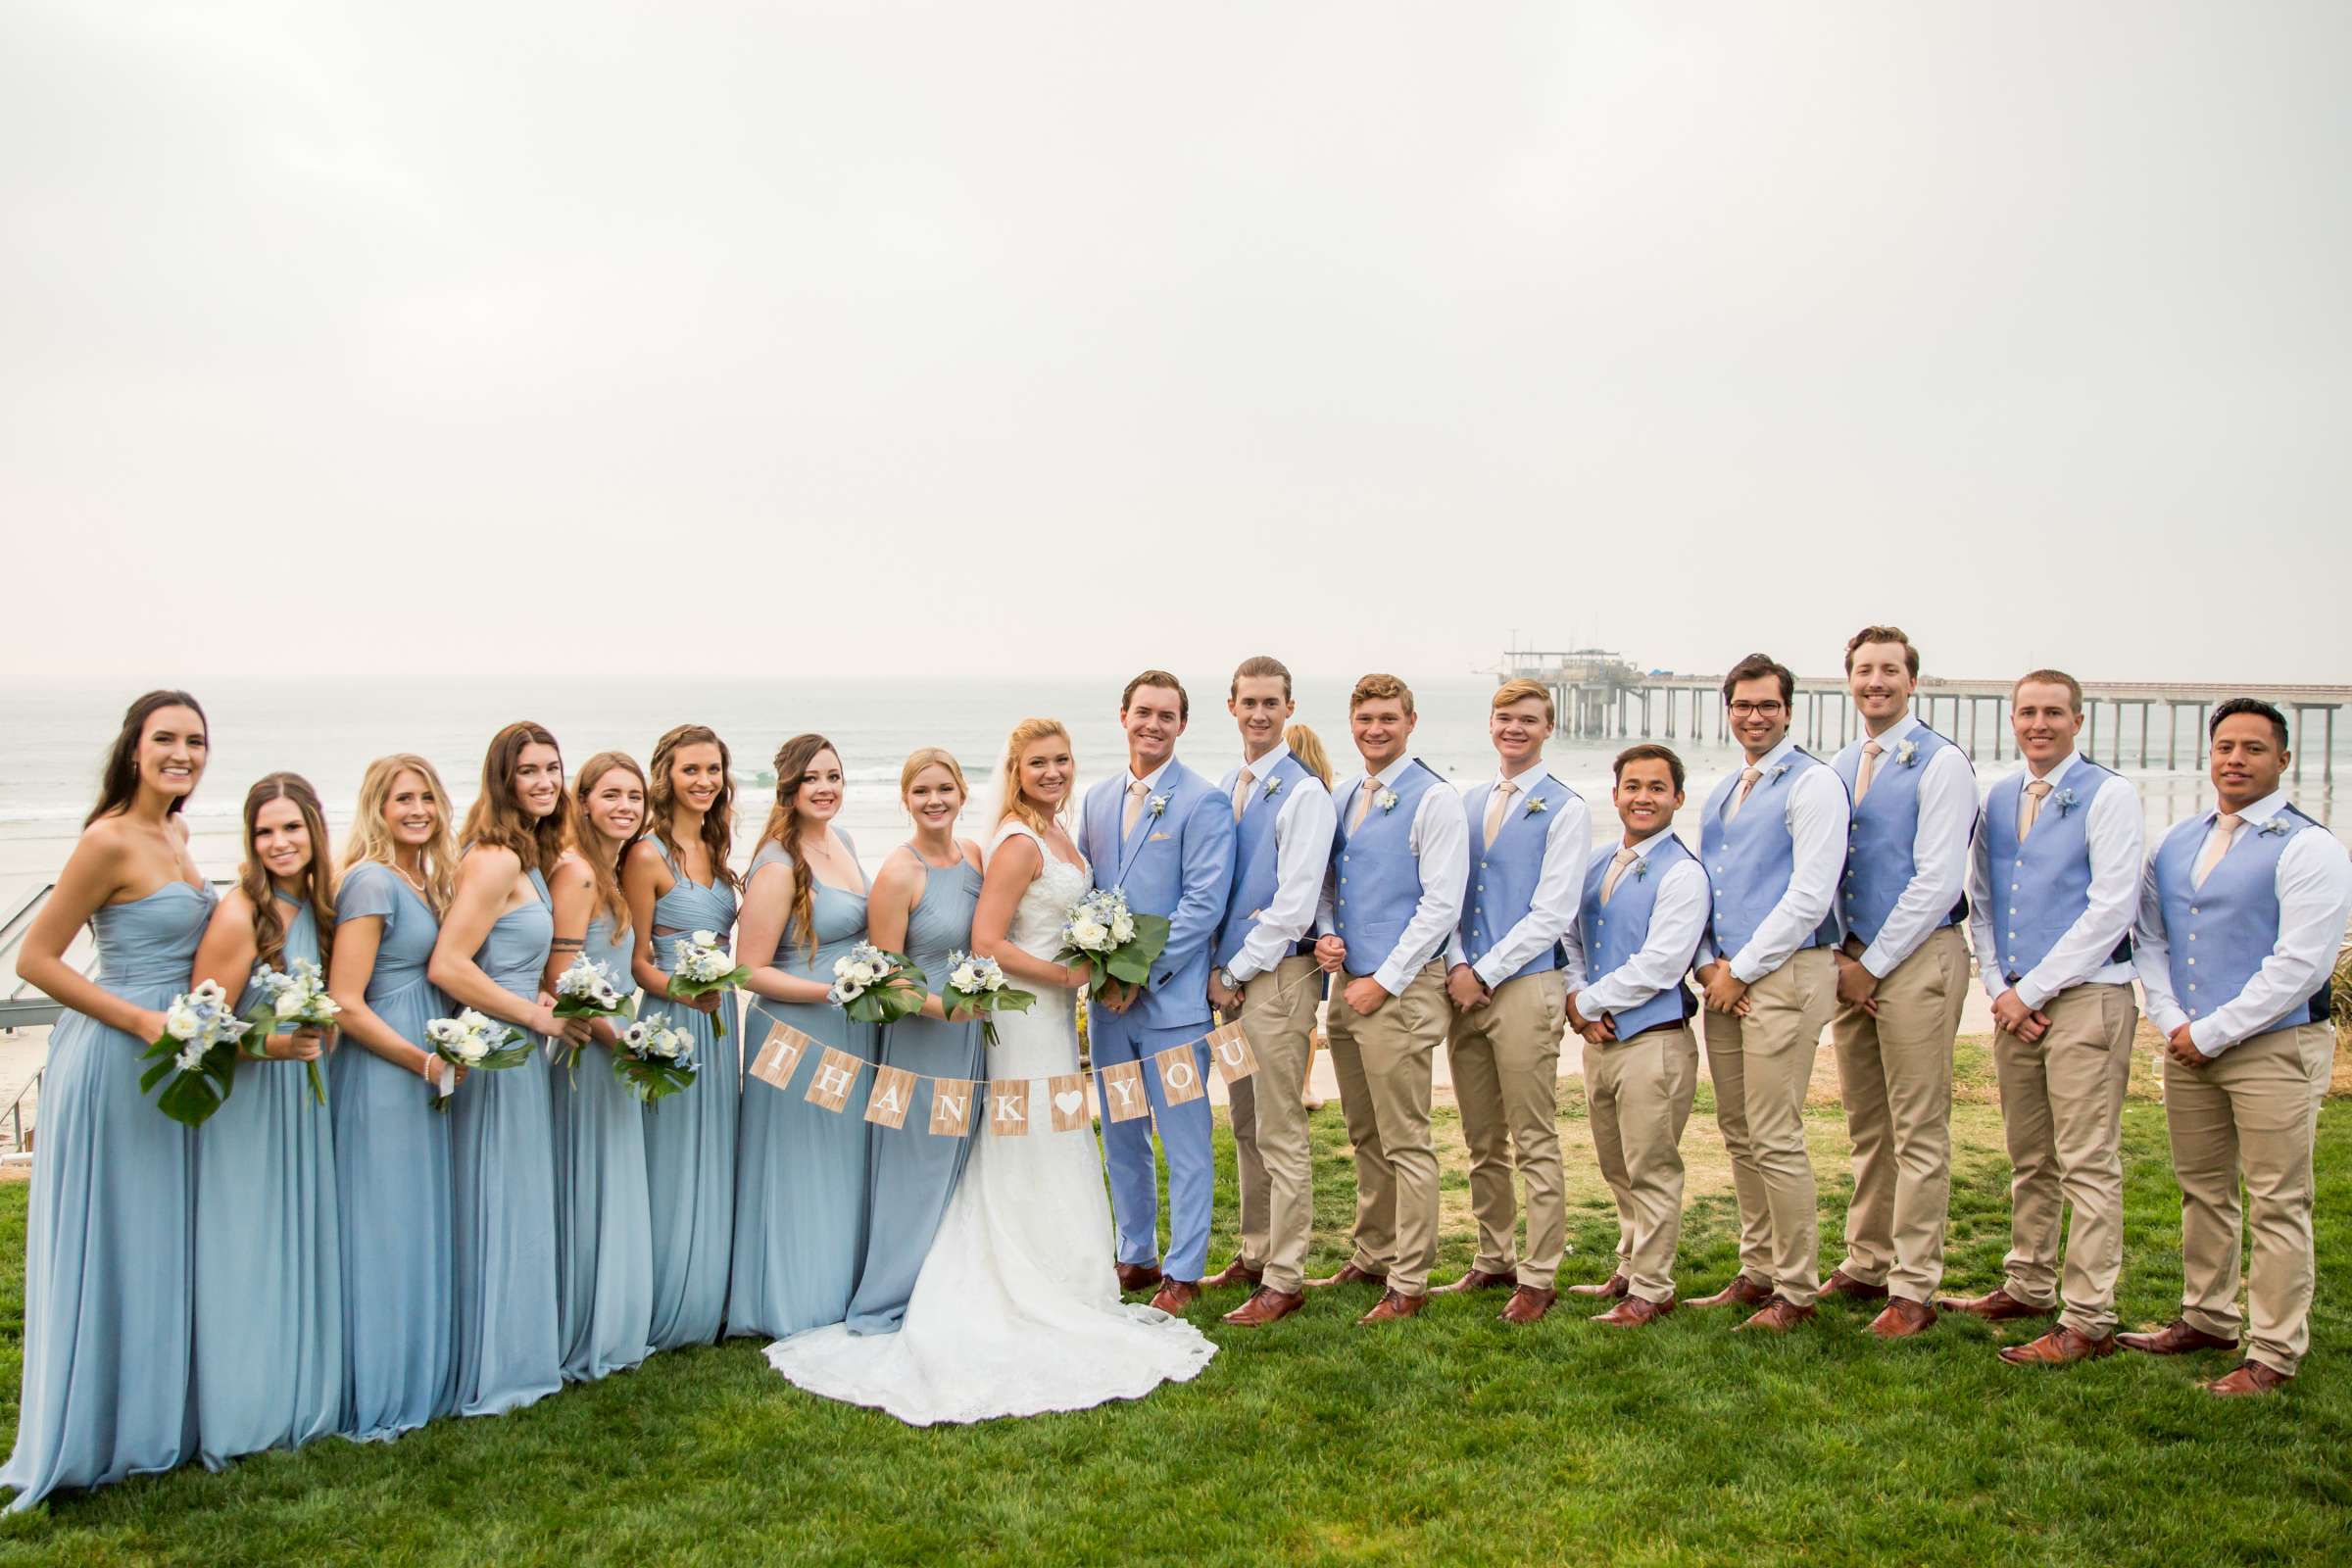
[{"x": 1017, "y": 1308}]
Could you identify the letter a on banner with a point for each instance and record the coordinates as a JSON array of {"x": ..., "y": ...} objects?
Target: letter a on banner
[
  {"x": 1179, "y": 1074},
  {"x": 1009, "y": 1107},
  {"x": 835, "y": 1076},
  {"x": 1123, "y": 1090},
  {"x": 1229, "y": 1048},
  {"x": 780, "y": 1055},
  {"x": 1068, "y": 1096},
  {"x": 951, "y": 1106},
  {"x": 894, "y": 1093}
]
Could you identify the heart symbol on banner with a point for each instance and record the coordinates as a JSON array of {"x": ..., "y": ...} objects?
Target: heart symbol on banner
[{"x": 1068, "y": 1102}]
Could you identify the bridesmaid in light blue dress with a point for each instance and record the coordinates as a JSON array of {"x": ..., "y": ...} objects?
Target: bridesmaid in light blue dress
[
  {"x": 109, "y": 1268},
  {"x": 491, "y": 955},
  {"x": 269, "y": 1259},
  {"x": 679, "y": 881},
  {"x": 392, "y": 1171},
  {"x": 801, "y": 1171},
  {"x": 921, "y": 905},
  {"x": 604, "y": 1242}
]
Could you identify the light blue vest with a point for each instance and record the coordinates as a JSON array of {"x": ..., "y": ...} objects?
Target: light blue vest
[
  {"x": 1378, "y": 876},
  {"x": 1751, "y": 859},
  {"x": 1886, "y": 825},
  {"x": 1615, "y": 934},
  {"x": 2040, "y": 889},
  {"x": 2222, "y": 932},
  {"x": 1505, "y": 875},
  {"x": 1255, "y": 854}
]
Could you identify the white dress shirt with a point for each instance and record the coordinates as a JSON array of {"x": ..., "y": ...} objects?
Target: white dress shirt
[
  {"x": 1947, "y": 817},
  {"x": 1440, "y": 841},
  {"x": 1559, "y": 883},
  {"x": 2314, "y": 900},
  {"x": 1303, "y": 826},
  {"x": 2117, "y": 840},
  {"x": 1819, "y": 820},
  {"x": 1678, "y": 915}
]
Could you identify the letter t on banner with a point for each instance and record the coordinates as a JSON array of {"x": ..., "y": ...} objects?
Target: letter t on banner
[
  {"x": 836, "y": 1075},
  {"x": 1123, "y": 1090},
  {"x": 1229, "y": 1048},
  {"x": 1009, "y": 1107},
  {"x": 894, "y": 1093},
  {"x": 780, "y": 1055},
  {"x": 1179, "y": 1074}
]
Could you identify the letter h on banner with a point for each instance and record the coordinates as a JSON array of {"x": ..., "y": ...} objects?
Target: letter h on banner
[{"x": 836, "y": 1075}]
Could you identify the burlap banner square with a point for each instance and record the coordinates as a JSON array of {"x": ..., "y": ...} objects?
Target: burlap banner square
[
  {"x": 951, "y": 1106},
  {"x": 1067, "y": 1095},
  {"x": 835, "y": 1076},
  {"x": 1180, "y": 1075},
  {"x": 1009, "y": 1107},
  {"x": 1123, "y": 1090},
  {"x": 780, "y": 1055},
  {"x": 1229, "y": 1048},
  {"x": 893, "y": 1096}
]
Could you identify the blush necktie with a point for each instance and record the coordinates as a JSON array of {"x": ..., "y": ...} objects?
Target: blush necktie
[
  {"x": 2037, "y": 791},
  {"x": 1498, "y": 801},
  {"x": 2217, "y": 845},
  {"x": 1363, "y": 803},
  {"x": 1136, "y": 792},
  {"x": 1241, "y": 793},
  {"x": 1872, "y": 751},
  {"x": 1627, "y": 855},
  {"x": 1747, "y": 781}
]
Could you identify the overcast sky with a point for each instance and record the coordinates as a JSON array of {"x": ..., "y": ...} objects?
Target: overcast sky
[{"x": 809, "y": 340}]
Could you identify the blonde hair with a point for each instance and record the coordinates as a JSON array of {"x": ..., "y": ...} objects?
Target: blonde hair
[
  {"x": 924, "y": 757},
  {"x": 604, "y": 872},
  {"x": 1520, "y": 691},
  {"x": 1308, "y": 746},
  {"x": 371, "y": 837},
  {"x": 1014, "y": 804},
  {"x": 1380, "y": 688}
]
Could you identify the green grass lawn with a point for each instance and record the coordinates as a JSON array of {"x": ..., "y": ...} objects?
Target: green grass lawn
[{"x": 1449, "y": 1439}]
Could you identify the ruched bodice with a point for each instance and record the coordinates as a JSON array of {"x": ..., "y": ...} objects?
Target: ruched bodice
[
  {"x": 302, "y": 942},
  {"x": 839, "y": 918},
  {"x": 601, "y": 946},
  {"x": 514, "y": 953},
  {"x": 687, "y": 908},
  {"x": 149, "y": 944},
  {"x": 941, "y": 921},
  {"x": 406, "y": 946}
]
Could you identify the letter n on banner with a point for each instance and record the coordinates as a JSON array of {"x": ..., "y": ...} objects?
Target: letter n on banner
[
  {"x": 1068, "y": 1096},
  {"x": 780, "y": 1055},
  {"x": 1009, "y": 1107},
  {"x": 1179, "y": 1074},
  {"x": 1229, "y": 1048},
  {"x": 951, "y": 1106},
  {"x": 1123, "y": 1090},
  {"x": 894, "y": 1093},
  {"x": 835, "y": 1076}
]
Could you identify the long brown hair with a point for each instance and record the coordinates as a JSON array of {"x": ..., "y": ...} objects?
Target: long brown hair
[
  {"x": 370, "y": 838},
  {"x": 118, "y": 781},
  {"x": 1012, "y": 802},
  {"x": 719, "y": 822},
  {"x": 604, "y": 872},
  {"x": 269, "y": 926},
  {"x": 784, "y": 826},
  {"x": 495, "y": 818}
]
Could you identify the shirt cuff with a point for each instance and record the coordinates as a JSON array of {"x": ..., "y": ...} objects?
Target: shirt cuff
[
  {"x": 1394, "y": 984},
  {"x": 1744, "y": 967},
  {"x": 2030, "y": 994},
  {"x": 2166, "y": 1018},
  {"x": 2200, "y": 1035},
  {"x": 1875, "y": 961}
]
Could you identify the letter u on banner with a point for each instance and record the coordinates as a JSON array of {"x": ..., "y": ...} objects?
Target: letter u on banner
[
  {"x": 1123, "y": 1090},
  {"x": 1068, "y": 1096},
  {"x": 1009, "y": 1107},
  {"x": 1229, "y": 1048},
  {"x": 835, "y": 1076},
  {"x": 951, "y": 1106},
  {"x": 894, "y": 1093},
  {"x": 1179, "y": 1074},
  {"x": 780, "y": 1055}
]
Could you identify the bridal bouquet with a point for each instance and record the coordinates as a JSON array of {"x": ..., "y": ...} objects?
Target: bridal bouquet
[
  {"x": 198, "y": 1054},
  {"x": 1111, "y": 941},
  {"x": 872, "y": 986},
  {"x": 293, "y": 1000},
  {"x": 976, "y": 989},
  {"x": 702, "y": 966},
  {"x": 654, "y": 1058},
  {"x": 588, "y": 989},
  {"x": 474, "y": 1039}
]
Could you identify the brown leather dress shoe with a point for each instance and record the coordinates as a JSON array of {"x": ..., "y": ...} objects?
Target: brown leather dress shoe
[
  {"x": 2063, "y": 1346},
  {"x": 2177, "y": 1337},
  {"x": 1994, "y": 1306},
  {"x": 1847, "y": 1288},
  {"x": 1742, "y": 1291},
  {"x": 1236, "y": 1272},
  {"x": 1615, "y": 1289},
  {"x": 1478, "y": 1279},
  {"x": 2249, "y": 1377},
  {"x": 1350, "y": 1275},
  {"x": 1636, "y": 1312},
  {"x": 1134, "y": 1277},
  {"x": 1527, "y": 1304},
  {"x": 1265, "y": 1307},
  {"x": 1778, "y": 1318},
  {"x": 1394, "y": 1305},
  {"x": 1902, "y": 1318},
  {"x": 1174, "y": 1295}
]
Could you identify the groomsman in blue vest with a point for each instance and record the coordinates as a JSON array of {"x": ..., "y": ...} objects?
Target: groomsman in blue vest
[
  {"x": 1643, "y": 912},
  {"x": 1773, "y": 838},
  {"x": 2053, "y": 882},
  {"x": 1265, "y": 968},
  {"x": 1902, "y": 979},
  {"x": 2241, "y": 912},
  {"x": 1164, "y": 835},
  {"x": 1394, "y": 895},
  {"x": 1530, "y": 836}
]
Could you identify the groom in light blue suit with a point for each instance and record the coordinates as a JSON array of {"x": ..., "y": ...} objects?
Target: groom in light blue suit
[{"x": 1163, "y": 834}]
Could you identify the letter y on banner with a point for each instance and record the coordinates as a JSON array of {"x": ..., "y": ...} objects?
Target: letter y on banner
[
  {"x": 1123, "y": 1090},
  {"x": 1229, "y": 1048},
  {"x": 1179, "y": 1074},
  {"x": 780, "y": 1055}
]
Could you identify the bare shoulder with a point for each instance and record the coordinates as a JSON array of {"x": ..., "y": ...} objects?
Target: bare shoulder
[
  {"x": 644, "y": 855},
  {"x": 236, "y": 906},
  {"x": 489, "y": 866},
  {"x": 900, "y": 876},
  {"x": 570, "y": 874},
  {"x": 971, "y": 850}
]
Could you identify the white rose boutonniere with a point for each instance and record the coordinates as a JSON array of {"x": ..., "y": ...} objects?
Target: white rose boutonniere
[
  {"x": 1906, "y": 755},
  {"x": 1386, "y": 801},
  {"x": 1536, "y": 806},
  {"x": 1159, "y": 804},
  {"x": 1273, "y": 786},
  {"x": 2275, "y": 827}
]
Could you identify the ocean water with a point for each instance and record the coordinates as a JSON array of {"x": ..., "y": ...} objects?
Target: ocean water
[{"x": 52, "y": 740}]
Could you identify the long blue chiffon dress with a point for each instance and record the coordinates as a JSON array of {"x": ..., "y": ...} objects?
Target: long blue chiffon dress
[
  {"x": 690, "y": 1136},
  {"x": 604, "y": 1239}
]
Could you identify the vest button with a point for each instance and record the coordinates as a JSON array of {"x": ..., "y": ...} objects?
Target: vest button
[
  {"x": 2192, "y": 936},
  {"x": 2192, "y": 963}
]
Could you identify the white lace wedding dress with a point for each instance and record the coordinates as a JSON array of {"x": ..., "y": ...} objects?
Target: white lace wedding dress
[{"x": 1017, "y": 1308}]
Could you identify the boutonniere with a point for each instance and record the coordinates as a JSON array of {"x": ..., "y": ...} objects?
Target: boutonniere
[
  {"x": 1273, "y": 786},
  {"x": 1778, "y": 774},
  {"x": 1536, "y": 806},
  {"x": 1906, "y": 753},
  {"x": 1386, "y": 800},
  {"x": 1640, "y": 870},
  {"x": 1159, "y": 804},
  {"x": 2275, "y": 827},
  {"x": 2067, "y": 800}
]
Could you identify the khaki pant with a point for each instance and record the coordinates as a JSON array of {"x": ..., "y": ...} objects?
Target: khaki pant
[
  {"x": 2062, "y": 1112},
  {"x": 2251, "y": 1110},
  {"x": 1895, "y": 1070},
  {"x": 1760, "y": 1064},
  {"x": 1384, "y": 1065},
  {"x": 1270, "y": 1149},
  {"x": 1505, "y": 1059},
  {"x": 1639, "y": 1090}
]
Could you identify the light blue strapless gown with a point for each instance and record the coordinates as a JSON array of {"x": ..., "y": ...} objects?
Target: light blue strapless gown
[
  {"x": 392, "y": 1180},
  {"x": 268, "y": 1253},
  {"x": 604, "y": 1235},
  {"x": 915, "y": 1173},
  {"x": 109, "y": 1264},
  {"x": 801, "y": 1171},
  {"x": 502, "y": 1159},
  {"x": 690, "y": 1137}
]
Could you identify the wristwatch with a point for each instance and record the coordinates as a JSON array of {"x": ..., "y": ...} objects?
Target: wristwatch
[{"x": 1225, "y": 978}]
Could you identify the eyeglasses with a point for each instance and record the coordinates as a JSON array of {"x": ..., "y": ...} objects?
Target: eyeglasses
[{"x": 1756, "y": 709}]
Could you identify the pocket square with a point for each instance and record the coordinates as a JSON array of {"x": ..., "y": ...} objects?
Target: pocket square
[{"x": 1157, "y": 837}]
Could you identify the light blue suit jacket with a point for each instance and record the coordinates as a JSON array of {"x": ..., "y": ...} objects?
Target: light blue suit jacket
[{"x": 1178, "y": 863}]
